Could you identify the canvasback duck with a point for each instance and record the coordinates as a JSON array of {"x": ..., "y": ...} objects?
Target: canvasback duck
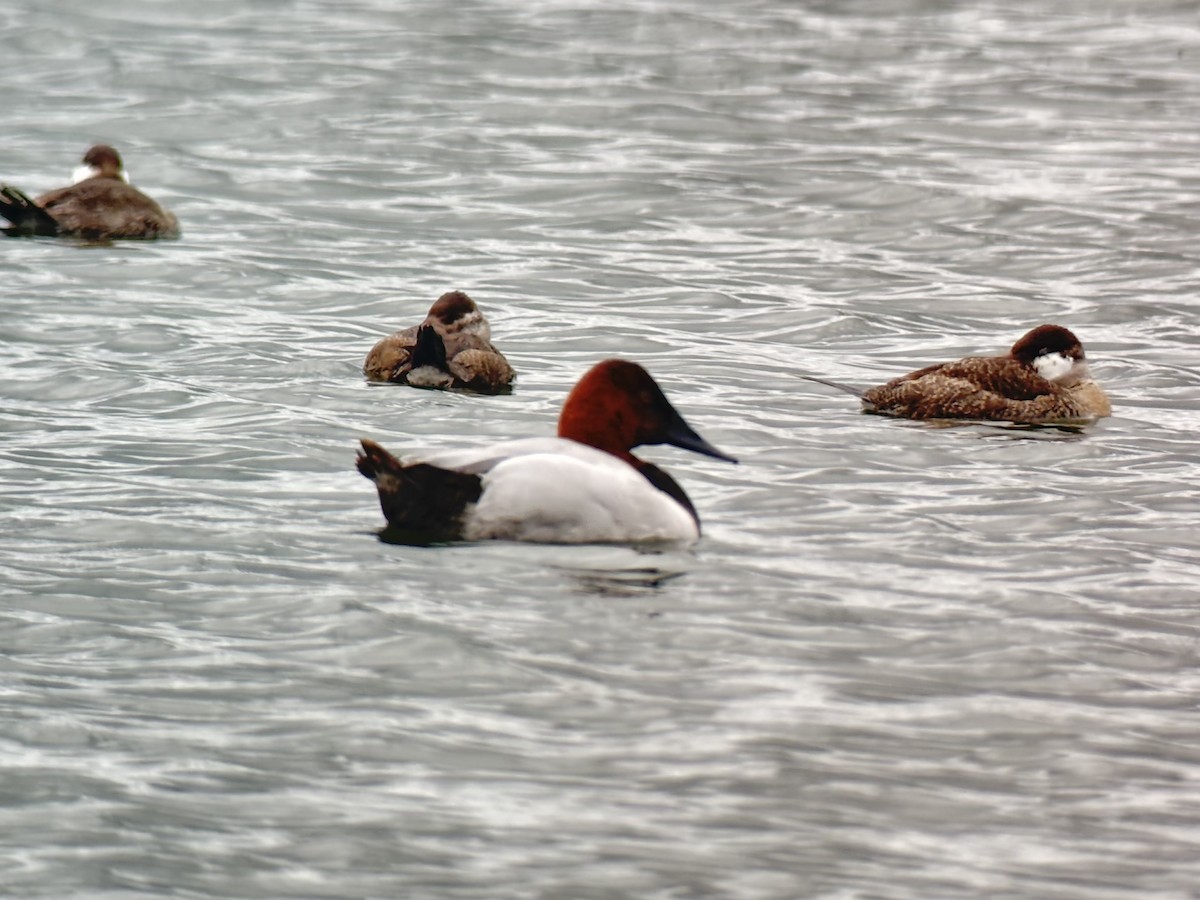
[
  {"x": 1043, "y": 379},
  {"x": 583, "y": 486},
  {"x": 101, "y": 205},
  {"x": 452, "y": 348}
]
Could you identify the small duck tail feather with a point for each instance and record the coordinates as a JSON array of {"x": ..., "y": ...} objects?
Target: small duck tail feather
[
  {"x": 429, "y": 350},
  {"x": 374, "y": 462},
  {"x": 847, "y": 388},
  {"x": 27, "y": 218}
]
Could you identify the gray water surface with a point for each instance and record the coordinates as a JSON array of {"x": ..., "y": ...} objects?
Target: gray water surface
[{"x": 903, "y": 662}]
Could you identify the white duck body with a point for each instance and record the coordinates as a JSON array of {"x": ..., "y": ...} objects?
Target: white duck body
[{"x": 556, "y": 490}]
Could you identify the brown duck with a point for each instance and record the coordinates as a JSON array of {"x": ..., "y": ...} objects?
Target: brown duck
[
  {"x": 101, "y": 205},
  {"x": 1043, "y": 379},
  {"x": 452, "y": 348}
]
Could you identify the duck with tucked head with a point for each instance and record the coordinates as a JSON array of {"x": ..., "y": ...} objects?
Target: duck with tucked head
[
  {"x": 583, "y": 486},
  {"x": 1043, "y": 379},
  {"x": 101, "y": 205},
  {"x": 452, "y": 348}
]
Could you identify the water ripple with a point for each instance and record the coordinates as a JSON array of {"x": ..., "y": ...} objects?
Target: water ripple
[{"x": 892, "y": 639}]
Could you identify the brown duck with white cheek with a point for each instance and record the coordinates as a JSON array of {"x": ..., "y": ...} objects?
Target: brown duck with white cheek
[
  {"x": 452, "y": 348},
  {"x": 101, "y": 205},
  {"x": 1044, "y": 378}
]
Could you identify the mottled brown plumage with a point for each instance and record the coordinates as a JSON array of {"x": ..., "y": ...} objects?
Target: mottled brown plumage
[
  {"x": 1044, "y": 378},
  {"x": 452, "y": 348},
  {"x": 100, "y": 207}
]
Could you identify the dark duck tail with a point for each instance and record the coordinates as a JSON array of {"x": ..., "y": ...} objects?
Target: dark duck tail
[
  {"x": 27, "y": 218},
  {"x": 419, "y": 500},
  {"x": 430, "y": 349},
  {"x": 847, "y": 388}
]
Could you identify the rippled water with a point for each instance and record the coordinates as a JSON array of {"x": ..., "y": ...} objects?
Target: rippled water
[{"x": 904, "y": 661}]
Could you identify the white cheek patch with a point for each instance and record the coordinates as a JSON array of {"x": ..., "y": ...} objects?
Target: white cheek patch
[
  {"x": 83, "y": 173},
  {"x": 473, "y": 323},
  {"x": 1053, "y": 366}
]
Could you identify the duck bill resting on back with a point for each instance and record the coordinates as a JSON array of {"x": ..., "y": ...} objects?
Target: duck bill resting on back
[
  {"x": 1043, "y": 379},
  {"x": 583, "y": 486}
]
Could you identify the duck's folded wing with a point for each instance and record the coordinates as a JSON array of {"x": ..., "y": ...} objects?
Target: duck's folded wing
[
  {"x": 1001, "y": 375},
  {"x": 562, "y": 498},
  {"x": 108, "y": 208},
  {"x": 484, "y": 459},
  {"x": 391, "y": 357},
  {"x": 482, "y": 370}
]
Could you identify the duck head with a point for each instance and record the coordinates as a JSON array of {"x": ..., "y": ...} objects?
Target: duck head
[
  {"x": 617, "y": 406},
  {"x": 100, "y": 160},
  {"x": 456, "y": 313},
  {"x": 1054, "y": 353}
]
